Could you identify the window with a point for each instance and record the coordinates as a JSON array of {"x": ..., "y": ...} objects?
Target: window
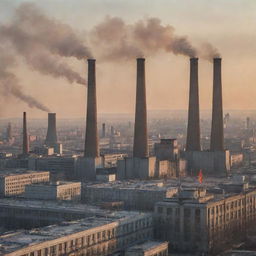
[
  {"x": 160, "y": 209},
  {"x": 169, "y": 211}
]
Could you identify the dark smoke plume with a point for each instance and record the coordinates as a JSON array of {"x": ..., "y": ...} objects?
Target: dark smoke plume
[
  {"x": 120, "y": 40},
  {"x": 36, "y": 38},
  {"x": 209, "y": 52},
  {"x": 9, "y": 83},
  {"x": 57, "y": 37},
  {"x": 115, "y": 40}
]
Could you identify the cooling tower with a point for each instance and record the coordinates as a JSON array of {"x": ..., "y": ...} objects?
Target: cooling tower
[
  {"x": 91, "y": 136},
  {"x": 140, "y": 146},
  {"x": 51, "y": 137},
  {"x": 217, "y": 135},
  {"x": 193, "y": 129}
]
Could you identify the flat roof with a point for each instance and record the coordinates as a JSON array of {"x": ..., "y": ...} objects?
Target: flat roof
[
  {"x": 133, "y": 184},
  {"x": 13, "y": 241},
  {"x": 13, "y": 172},
  {"x": 149, "y": 245},
  {"x": 56, "y": 184},
  {"x": 67, "y": 206},
  {"x": 208, "y": 182}
]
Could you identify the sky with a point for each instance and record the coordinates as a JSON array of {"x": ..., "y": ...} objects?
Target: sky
[{"x": 229, "y": 25}]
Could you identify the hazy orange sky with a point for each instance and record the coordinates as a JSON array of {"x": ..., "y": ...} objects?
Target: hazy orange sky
[{"x": 229, "y": 25}]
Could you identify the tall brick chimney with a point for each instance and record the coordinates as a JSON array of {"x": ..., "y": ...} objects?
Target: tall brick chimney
[
  {"x": 140, "y": 145},
  {"x": 51, "y": 137},
  {"x": 91, "y": 136},
  {"x": 25, "y": 149},
  {"x": 217, "y": 135},
  {"x": 193, "y": 129}
]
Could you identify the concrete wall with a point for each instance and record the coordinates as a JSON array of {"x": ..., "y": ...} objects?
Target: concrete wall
[
  {"x": 136, "y": 168},
  {"x": 85, "y": 168},
  {"x": 215, "y": 163}
]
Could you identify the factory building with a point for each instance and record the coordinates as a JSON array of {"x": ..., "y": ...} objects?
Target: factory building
[
  {"x": 60, "y": 190},
  {"x": 167, "y": 153},
  {"x": 60, "y": 167},
  {"x": 149, "y": 248},
  {"x": 141, "y": 165},
  {"x": 13, "y": 182},
  {"x": 28, "y": 213},
  {"x": 134, "y": 195},
  {"x": 89, "y": 236},
  {"x": 195, "y": 221},
  {"x": 215, "y": 161}
]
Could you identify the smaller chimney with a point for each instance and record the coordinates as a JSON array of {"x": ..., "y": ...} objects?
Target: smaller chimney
[
  {"x": 25, "y": 135},
  {"x": 51, "y": 137}
]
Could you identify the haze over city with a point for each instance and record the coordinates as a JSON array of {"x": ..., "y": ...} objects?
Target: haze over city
[
  {"x": 127, "y": 128},
  {"x": 227, "y": 25}
]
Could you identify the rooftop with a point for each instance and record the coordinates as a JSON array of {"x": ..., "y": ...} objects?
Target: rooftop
[
  {"x": 11, "y": 242},
  {"x": 53, "y": 184},
  {"x": 67, "y": 206},
  {"x": 12, "y": 172},
  {"x": 158, "y": 184},
  {"x": 147, "y": 246}
]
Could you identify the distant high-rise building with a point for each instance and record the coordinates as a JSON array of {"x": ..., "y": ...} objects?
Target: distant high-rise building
[
  {"x": 9, "y": 132},
  {"x": 103, "y": 130}
]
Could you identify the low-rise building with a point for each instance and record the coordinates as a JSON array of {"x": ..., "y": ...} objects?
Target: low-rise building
[
  {"x": 90, "y": 236},
  {"x": 149, "y": 248},
  {"x": 60, "y": 190},
  {"x": 25, "y": 213},
  {"x": 200, "y": 222},
  {"x": 136, "y": 195},
  {"x": 13, "y": 182}
]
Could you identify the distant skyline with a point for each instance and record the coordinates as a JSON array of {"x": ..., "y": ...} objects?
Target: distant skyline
[{"x": 228, "y": 25}]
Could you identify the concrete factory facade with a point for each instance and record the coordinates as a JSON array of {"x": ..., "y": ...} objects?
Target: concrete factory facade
[
  {"x": 90, "y": 236},
  {"x": 60, "y": 190},
  {"x": 195, "y": 221},
  {"x": 134, "y": 195},
  {"x": 13, "y": 182}
]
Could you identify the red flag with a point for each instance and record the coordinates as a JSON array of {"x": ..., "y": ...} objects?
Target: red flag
[{"x": 200, "y": 177}]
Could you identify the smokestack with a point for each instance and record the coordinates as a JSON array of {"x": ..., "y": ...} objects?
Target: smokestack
[
  {"x": 51, "y": 137},
  {"x": 140, "y": 146},
  {"x": 193, "y": 130},
  {"x": 25, "y": 135},
  {"x": 103, "y": 130},
  {"x": 91, "y": 135},
  {"x": 217, "y": 136}
]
